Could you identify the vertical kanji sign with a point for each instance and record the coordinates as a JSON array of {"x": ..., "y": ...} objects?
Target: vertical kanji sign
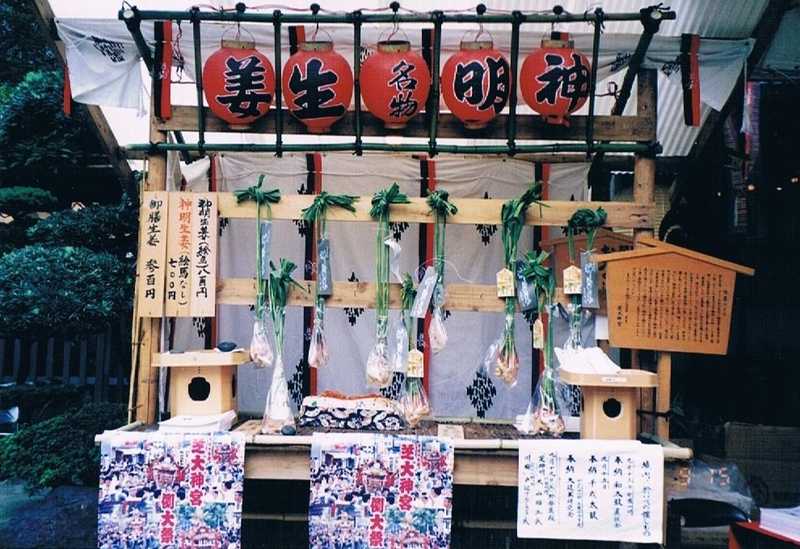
[
  {"x": 179, "y": 256},
  {"x": 152, "y": 253},
  {"x": 204, "y": 254}
]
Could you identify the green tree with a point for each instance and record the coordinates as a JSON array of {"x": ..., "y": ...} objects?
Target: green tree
[{"x": 23, "y": 47}]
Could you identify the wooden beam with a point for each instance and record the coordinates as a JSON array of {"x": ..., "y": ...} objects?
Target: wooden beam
[
  {"x": 471, "y": 211},
  {"x": 458, "y": 297},
  {"x": 99, "y": 125},
  {"x": 610, "y": 128}
]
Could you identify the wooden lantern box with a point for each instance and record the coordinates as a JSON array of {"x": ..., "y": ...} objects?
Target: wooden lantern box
[
  {"x": 668, "y": 298},
  {"x": 610, "y": 402},
  {"x": 201, "y": 382}
]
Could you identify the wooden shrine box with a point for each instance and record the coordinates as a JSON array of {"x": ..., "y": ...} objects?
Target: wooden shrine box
[
  {"x": 610, "y": 402},
  {"x": 201, "y": 382},
  {"x": 667, "y": 298}
]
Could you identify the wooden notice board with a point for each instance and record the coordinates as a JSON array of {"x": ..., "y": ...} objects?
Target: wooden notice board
[
  {"x": 204, "y": 254},
  {"x": 152, "y": 253},
  {"x": 669, "y": 302},
  {"x": 179, "y": 256}
]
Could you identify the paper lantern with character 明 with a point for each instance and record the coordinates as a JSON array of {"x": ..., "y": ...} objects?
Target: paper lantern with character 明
[{"x": 239, "y": 83}]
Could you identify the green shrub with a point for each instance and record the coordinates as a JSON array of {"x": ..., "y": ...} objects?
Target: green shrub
[
  {"x": 100, "y": 228},
  {"x": 38, "y": 142},
  {"x": 40, "y": 402},
  {"x": 21, "y": 200},
  {"x": 60, "y": 450},
  {"x": 62, "y": 291}
]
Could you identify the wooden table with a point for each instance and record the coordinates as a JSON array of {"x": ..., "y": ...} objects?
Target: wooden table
[{"x": 750, "y": 535}]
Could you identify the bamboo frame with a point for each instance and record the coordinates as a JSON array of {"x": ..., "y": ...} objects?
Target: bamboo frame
[{"x": 639, "y": 131}]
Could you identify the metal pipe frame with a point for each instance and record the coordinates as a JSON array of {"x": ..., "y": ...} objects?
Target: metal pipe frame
[
  {"x": 642, "y": 148},
  {"x": 198, "y": 71},
  {"x": 276, "y": 22},
  {"x": 357, "y": 80},
  {"x": 598, "y": 28}
]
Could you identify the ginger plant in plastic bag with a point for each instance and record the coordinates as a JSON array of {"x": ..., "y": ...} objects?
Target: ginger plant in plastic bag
[
  {"x": 278, "y": 410},
  {"x": 545, "y": 414},
  {"x": 260, "y": 350},
  {"x": 317, "y": 213},
  {"x": 513, "y": 218},
  {"x": 440, "y": 205},
  {"x": 379, "y": 371},
  {"x": 413, "y": 399}
]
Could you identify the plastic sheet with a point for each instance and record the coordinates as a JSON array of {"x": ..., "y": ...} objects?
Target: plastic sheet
[
  {"x": 278, "y": 409},
  {"x": 260, "y": 350}
]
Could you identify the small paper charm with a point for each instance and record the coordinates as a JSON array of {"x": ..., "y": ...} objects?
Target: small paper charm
[
  {"x": 572, "y": 280},
  {"x": 526, "y": 294},
  {"x": 589, "y": 282},
  {"x": 538, "y": 334},
  {"x": 505, "y": 283},
  {"x": 415, "y": 364},
  {"x": 324, "y": 280}
]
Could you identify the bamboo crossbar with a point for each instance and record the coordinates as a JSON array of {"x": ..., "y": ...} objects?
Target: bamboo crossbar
[
  {"x": 351, "y": 17},
  {"x": 471, "y": 211}
]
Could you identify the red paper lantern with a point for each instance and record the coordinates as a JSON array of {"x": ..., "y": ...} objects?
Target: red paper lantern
[
  {"x": 475, "y": 83},
  {"x": 238, "y": 82},
  {"x": 318, "y": 85},
  {"x": 554, "y": 79},
  {"x": 396, "y": 83}
]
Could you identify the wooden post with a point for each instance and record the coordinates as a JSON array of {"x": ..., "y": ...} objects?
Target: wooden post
[
  {"x": 644, "y": 192},
  {"x": 144, "y": 400}
]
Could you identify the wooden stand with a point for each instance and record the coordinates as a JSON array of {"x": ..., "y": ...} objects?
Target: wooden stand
[{"x": 610, "y": 402}]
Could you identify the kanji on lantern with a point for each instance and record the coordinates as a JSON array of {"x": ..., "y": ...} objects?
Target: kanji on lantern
[
  {"x": 396, "y": 83},
  {"x": 239, "y": 83},
  {"x": 476, "y": 83},
  {"x": 555, "y": 79},
  {"x": 318, "y": 84}
]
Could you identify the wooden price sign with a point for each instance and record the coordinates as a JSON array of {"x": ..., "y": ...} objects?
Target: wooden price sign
[
  {"x": 179, "y": 255},
  {"x": 204, "y": 254},
  {"x": 667, "y": 298},
  {"x": 152, "y": 253}
]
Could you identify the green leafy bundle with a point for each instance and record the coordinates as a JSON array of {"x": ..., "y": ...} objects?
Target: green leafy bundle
[
  {"x": 262, "y": 198},
  {"x": 280, "y": 279},
  {"x": 381, "y": 203},
  {"x": 317, "y": 212},
  {"x": 583, "y": 221},
  {"x": 439, "y": 203},
  {"x": 512, "y": 216}
]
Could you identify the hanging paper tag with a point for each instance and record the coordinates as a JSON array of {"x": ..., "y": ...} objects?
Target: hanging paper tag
[
  {"x": 415, "y": 364},
  {"x": 538, "y": 334},
  {"x": 572, "y": 280},
  {"x": 505, "y": 283},
  {"x": 589, "y": 280},
  {"x": 424, "y": 292},
  {"x": 394, "y": 260},
  {"x": 526, "y": 296},
  {"x": 266, "y": 245},
  {"x": 324, "y": 279}
]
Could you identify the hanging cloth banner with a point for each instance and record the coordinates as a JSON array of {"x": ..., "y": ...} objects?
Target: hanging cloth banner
[
  {"x": 690, "y": 79},
  {"x": 390, "y": 491},
  {"x": 170, "y": 490},
  {"x": 162, "y": 70},
  {"x": 600, "y": 490}
]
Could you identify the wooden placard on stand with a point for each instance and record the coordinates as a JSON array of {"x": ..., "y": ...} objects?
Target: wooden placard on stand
[
  {"x": 666, "y": 298},
  {"x": 204, "y": 254},
  {"x": 152, "y": 253},
  {"x": 179, "y": 256}
]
